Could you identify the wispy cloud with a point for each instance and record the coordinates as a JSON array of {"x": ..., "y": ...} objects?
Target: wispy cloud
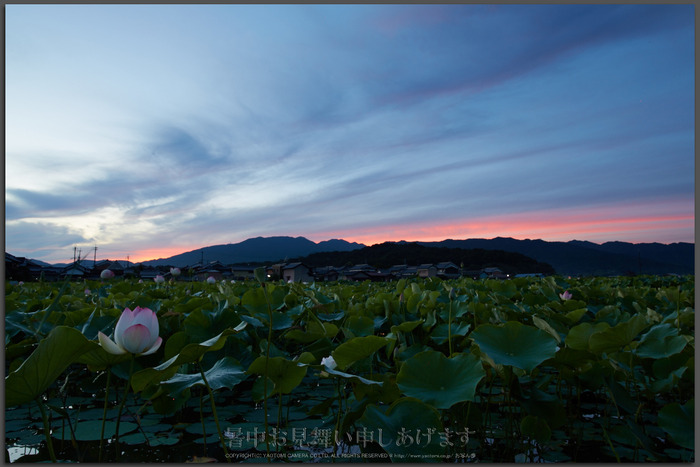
[{"x": 208, "y": 124}]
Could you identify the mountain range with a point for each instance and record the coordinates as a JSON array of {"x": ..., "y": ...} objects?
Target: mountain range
[
  {"x": 255, "y": 250},
  {"x": 567, "y": 258}
]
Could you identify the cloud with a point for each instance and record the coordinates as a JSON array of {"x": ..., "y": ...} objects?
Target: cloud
[{"x": 40, "y": 239}]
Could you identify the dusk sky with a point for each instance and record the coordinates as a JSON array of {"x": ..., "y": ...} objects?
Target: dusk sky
[{"x": 151, "y": 130}]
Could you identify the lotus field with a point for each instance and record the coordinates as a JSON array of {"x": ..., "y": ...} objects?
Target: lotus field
[{"x": 523, "y": 370}]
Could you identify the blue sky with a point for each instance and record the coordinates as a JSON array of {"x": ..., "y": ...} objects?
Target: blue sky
[{"x": 150, "y": 130}]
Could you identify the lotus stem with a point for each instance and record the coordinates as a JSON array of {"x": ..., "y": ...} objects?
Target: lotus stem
[
  {"x": 449, "y": 327},
  {"x": 121, "y": 406},
  {"x": 213, "y": 410},
  {"x": 267, "y": 361},
  {"x": 104, "y": 415},
  {"x": 47, "y": 429}
]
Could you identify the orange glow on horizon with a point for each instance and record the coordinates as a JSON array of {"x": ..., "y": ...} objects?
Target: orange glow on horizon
[
  {"x": 636, "y": 225},
  {"x": 157, "y": 253},
  {"x": 596, "y": 226}
]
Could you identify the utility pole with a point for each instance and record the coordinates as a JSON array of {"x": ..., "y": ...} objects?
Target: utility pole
[
  {"x": 75, "y": 249},
  {"x": 94, "y": 259}
]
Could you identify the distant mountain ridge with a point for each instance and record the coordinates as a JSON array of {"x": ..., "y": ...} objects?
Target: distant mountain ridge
[
  {"x": 587, "y": 258},
  {"x": 258, "y": 249},
  {"x": 567, "y": 258}
]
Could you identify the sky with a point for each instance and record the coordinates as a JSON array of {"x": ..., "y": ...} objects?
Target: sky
[{"x": 152, "y": 130}]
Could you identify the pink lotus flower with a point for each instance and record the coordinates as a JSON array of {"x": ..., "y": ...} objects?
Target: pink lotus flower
[
  {"x": 175, "y": 271},
  {"x": 87, "y": 292},
  {"x": 106, "y": 274},
  {"x": 159, "y": 279},
  {"x": 136, "y": 332},
  {"x": 566, "y": 295},
  {"x": 211, "y": 280}
]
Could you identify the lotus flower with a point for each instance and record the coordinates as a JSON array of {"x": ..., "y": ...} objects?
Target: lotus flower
[
  {"x": 159, "y": 279},
  {"x": 87, "y": 292},
  {"x": 211, "y": 280},
  {"x": 175, "y": 271},
  {"x": 566, "y": 295},
  {"x": 136, "y": 332},
  {"x": 106, "y": 274},
  {"x": 329, "y": 362}
]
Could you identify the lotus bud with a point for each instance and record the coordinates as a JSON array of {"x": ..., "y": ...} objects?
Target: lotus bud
[
  {"x": 136, "y": 332},
  {"x": 175, "y": 271},
  {"x": 566, "y": 295},
  {"x": 211, "y": 280},
  {"x": 106, "y": 274},
  {"x": 159, "y": 279}
]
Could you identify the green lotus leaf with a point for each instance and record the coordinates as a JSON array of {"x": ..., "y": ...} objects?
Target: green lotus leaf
[
  {"x": 660, "y": 341},
  {"x": 576, "y": 315},
  {"x": 63, "y": 346},
  {"x": 679, "y": 422},
  {"x": 406, "y": 326},
  {"x": 285, "y": 374},
  {"x": 89, "y": 430},
  {"x": 360, "y": 326},
  {"x": 356, "y": 349},
  {"x": 409, "y": 430},
  {"x": 617, "y": 336},
  {"x": 579, "y": 335},
  {"x": 440, "y": 381},
  {"x": 440, "y": 334},
  {"x": 515, "y": 344},
  {"x": 546, "y": 327},
  {"x": 314, "y": 331},
  {"x": 256, "y": 300},
  {"x": 226, "y": 373},
  {"x": 98, "y": 359},
  {"x": 189, "y": 354}
]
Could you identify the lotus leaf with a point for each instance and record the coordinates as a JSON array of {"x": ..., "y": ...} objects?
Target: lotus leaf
[
  {"x": 515, "y": 344},
  {"x": 285, "y": 374},
  {"x": 579, "y": 335},
  {"x": 679, "y": 422},
  {"x": 360, "y": 326},
  {"x": 89, "y": 430},
  {"x": 189, "y": 354},
  {"x": 660, "y": 341},
  {"x": 52, "y": 356},
  {"x": 617, "y": 336},
  {"x": 356, "y": 349},
  {"x": 440, "y": 334},
  {"x": 438, "y": 380},
  {"x": 226, "y": 373},
  {"x": 409, "y": 430}
]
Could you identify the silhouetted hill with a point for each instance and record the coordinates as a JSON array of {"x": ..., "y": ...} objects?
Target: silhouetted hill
[
  {"x": 258, "y": 249},
  {"x": 388, "y": 254},
  {"x": 587, "y": 258},
  {"x": 567, "y": 258}
]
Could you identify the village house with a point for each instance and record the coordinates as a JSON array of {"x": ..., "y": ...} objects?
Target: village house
[
  {"x": 296, "y": 272},
  {"x": 427, "y": 270},
  {"x": 447, "y": 270}
]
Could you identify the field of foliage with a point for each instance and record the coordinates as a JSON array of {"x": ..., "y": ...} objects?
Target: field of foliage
[{"x": 523, "y": 370}]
